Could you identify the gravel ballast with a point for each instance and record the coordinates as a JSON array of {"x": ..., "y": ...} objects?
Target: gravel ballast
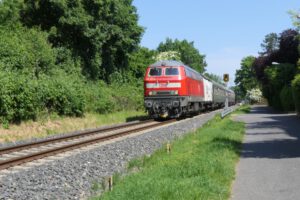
[{"x": 73, "y": 177}]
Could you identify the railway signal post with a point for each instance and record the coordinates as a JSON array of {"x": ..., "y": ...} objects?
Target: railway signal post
[
  {"x": 226, "y": 109},
  {"x": 226, "y": 79}
]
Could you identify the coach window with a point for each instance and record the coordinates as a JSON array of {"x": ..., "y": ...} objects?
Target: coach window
[
  {"x": 171, "y": 71},
  {"x": 155, "y": 72}
]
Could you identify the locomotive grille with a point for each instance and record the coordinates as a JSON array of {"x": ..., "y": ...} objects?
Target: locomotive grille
[{"x": 163, "y": 93}]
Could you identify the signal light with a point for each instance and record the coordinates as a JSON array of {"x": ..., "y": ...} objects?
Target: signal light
[{"x": 226, "y": 77}]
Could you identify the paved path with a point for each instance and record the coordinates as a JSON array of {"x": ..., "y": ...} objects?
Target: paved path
[{"x": 269, "y": 166}]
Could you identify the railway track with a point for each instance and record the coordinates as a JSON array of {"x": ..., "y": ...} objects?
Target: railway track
[{"x": 19, "y": 154}]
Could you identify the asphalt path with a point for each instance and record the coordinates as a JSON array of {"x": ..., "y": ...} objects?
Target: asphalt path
[{"x": 269, "y": 167}]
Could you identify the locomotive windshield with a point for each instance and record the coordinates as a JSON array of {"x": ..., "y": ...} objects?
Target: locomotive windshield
[
  {"x": 171, "y": 71},
  {"x": 155, "y": 72}
]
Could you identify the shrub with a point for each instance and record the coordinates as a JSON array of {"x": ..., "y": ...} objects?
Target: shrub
[
  {"x": 104, "y": 98},
  {"x": 62, "y": 94},
  {"x": 65, "y": 60},
  {"x": 275, "y": 102},
  {"x": 296, "y": 92},
  {"x": 127, "y": 91},
  {"x": 254, "y": 95},
  {"x": 277, "y": 76},
  {"x": 127, "y": 96},
  {"x": 18, "y": 97},
  {"x": 286, "y": 98},
  {"x": 99, "y": 98},
  {"x": 22, "y": 97}
]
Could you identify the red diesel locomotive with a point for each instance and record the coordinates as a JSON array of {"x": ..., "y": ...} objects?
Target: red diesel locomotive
[{"x": 172, "y": 89}]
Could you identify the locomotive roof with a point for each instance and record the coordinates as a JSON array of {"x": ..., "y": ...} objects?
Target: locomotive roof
[{"x": 170, "y": 63}]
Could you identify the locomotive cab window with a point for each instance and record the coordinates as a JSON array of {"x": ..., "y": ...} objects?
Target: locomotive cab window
[
  {"x": 155, "y": 72},
  {"x": 171, "y": 71}
]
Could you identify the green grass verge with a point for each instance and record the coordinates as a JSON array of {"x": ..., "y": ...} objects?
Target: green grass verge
[
  {"x": 243, "y": 109},
  {"x": 200, "y": 166}
]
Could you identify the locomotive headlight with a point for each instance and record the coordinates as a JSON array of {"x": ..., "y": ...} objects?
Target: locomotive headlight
[
  {"x": 174, "y": 92},
  {"x": 152, "y": 93}
]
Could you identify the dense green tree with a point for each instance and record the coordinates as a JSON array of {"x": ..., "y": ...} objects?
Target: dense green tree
[
  {"x": 270, "y": 44},
  {"x": 296, "y": 81},
  {"x": 296, "y": 92},
  {"x": 139, "y": 60},
  {"x": 189, "y": 54},
  {"x": 288, "y": 47},
  {"x": 287, "y": 53},
  {"x": 101, "y": 32},
  {"x": 276, "y": 79},
  {"x": 295, "y": 18},
  {"x": 26, "y": 50},
  {"x": 9, "y": 11},
  {"x": 278, "y": 76},
  {"x": 245, "y": 77}
]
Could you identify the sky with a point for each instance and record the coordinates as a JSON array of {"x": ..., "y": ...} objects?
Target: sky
[{"x": 224, "y": 31}]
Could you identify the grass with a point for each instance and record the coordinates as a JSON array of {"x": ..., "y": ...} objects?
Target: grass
[
  {"x": 55, "y": 124},
  {"x": 243, "y": 109},
  {"x": 200, "y": 166}
]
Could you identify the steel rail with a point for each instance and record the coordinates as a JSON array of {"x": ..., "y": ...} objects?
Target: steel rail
[
  {"x": 84, "y": 133},
  {"x": 27, "y": 158}
]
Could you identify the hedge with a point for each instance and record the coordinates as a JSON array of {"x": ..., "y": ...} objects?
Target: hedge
[
  {"x": 286, "y": 98},
  {"x": 296, "y": 92},
  {"x": 22, "y": 97},
  {"x": 18, "y": 97},
  {"x": 278, "y": 76},
  {"x": 62, "y": 95},
  {"x": 98, "y": 97}
]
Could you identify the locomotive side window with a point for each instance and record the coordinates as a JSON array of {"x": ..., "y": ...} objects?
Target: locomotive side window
[
  {"x": 171, "y": 71},
  {"x": 188, "y": 73},
  {"x": 155, "y": 72},
  {"x": 192, "y": 74}
]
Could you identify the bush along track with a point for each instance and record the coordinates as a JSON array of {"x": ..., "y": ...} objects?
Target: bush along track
[{"x": 199, "y": 166}]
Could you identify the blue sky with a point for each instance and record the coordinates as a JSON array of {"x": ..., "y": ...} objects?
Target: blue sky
[{"x": 225, "y": 31}]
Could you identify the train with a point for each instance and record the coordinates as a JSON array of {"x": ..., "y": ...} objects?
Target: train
[{"x": 173, "y": 89}]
